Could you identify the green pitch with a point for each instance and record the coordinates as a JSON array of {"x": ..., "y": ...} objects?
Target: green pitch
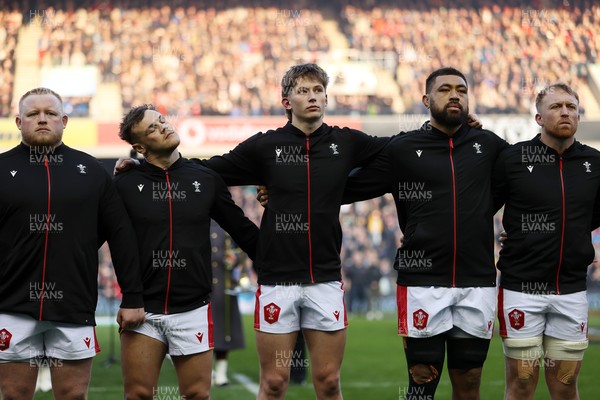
[{"x": 374, "y": 368}]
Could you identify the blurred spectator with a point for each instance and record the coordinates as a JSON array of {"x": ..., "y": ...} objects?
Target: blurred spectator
[
  {"x": 10, "y": 22},
  {"x": 507, "y": 49},
  {"x": 200, "y": 58}
]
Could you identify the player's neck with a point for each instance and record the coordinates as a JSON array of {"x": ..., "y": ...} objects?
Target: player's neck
[
  {"x": 163, "y": 161},
  {"x": 307, "y": 127},
  {"x": 448, "y": 130},
  {"x": 558, "y": 144}
]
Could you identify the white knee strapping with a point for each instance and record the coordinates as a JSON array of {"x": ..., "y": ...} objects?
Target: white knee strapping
[
  {"x": 523, "y": 348},
  {"x": 559, "y": 349}
]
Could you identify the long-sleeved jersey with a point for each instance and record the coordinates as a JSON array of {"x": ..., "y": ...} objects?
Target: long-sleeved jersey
[
  {"x": 442, "y": 189},
  {"x": 56, "y": 208},
  {"x": 300, "y": 235},
  {"x": 171, "y": 211},
  {"x": 550, "y": 200}
]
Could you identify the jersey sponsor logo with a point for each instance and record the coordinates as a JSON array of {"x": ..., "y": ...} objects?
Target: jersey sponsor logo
[
  {"x": 5, "y": 337},
  {"x": 419, "y": 152},
  {"x": 489, "y": 325},
  {"x": 82, "y": 168},
  {"x": 334, "y": 149},
  {"x": 336, "y": 314},
  {"x": 420, "y": 318},
  {"x": 140, "y": 187},
  {"x": 13, "y": 173},
  {"x": 200, "y": 336},
  {"x": 587, "y": 166},
  {"x": 87, "y": 342},
  {"x": 530, "y": 168},
  {"x": 197, "y": 186},
  {"x": 271, "y": 313},
  {"x": 477, "y": 148},
  {"x": 517, "y": 319}
]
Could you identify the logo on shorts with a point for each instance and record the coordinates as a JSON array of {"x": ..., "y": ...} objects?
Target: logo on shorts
[
  {"x": 87, "y": 341},
  {"x": 336, "y": 314},
  {"x": 271, "y": 313},
  {"x": 200, "y": 336},
  {"x": 420, "y": 319},
  {"x": 489, "y": 325},
  {"x": 582, "y": 326},
  {"x": 517, "y": 319},
  {"x": 5, "y": 337}
]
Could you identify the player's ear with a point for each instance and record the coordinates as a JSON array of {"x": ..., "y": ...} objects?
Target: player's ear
[
  {"x": 539, "y": 120},
  {"x": 139, "y": 148},
  {"x": 285, "y": 102},
  {"x": 425, "y": 101}
]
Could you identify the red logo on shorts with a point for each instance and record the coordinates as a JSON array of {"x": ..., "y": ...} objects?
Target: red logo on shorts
[
  {"x": 336, "y": 314},
  {"x": 5, "y": 337},
  {"x": 489, "y": 325},
  {"x": 420, "y": 319},
  {"x": 271, "y": 312},
  {"x": 582, "y": 326},
  {"x": 200, "y": 336},
  {"x": 517, "y": 319},
  {"x": 87, "y": 341}
]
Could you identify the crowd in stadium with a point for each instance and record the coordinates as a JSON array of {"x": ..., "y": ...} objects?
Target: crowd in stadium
[
  {"x": 506, "y": 50},
  {"x": 200, "y": 59},
  {"x": 10, "y": 22}
]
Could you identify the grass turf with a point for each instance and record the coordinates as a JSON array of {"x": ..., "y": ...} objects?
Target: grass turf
[{"x": 373, "y": 368}]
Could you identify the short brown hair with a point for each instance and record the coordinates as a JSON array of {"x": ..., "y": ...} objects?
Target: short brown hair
[
  {"x": 40, "y": 91},
  {"x": 292, "y": 75},
  {"x": 133, "y": 117},
  {"x": 550, "y": 89}
]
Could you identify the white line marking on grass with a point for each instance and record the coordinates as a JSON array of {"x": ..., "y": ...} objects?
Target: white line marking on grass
[{"x": 246, "y": 382}]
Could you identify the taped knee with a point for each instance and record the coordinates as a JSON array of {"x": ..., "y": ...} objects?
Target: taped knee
[
  {"x": 527, "y": 352},
  {"x": 567, "y": 371},
  {"x": 559, "y": 349},
  {"x": 425, "y": 358},
  {"x": 567, "y": 355},
  {"x": 467, "y": 353}
]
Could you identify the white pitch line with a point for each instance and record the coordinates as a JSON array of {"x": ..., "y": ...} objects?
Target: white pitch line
[{"x": 246, "y": 382}]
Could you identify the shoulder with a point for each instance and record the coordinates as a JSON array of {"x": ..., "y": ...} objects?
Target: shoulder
[
  {"x": 12, "y": 152},
  {"x": 84, "y": 161},
  {"x": 588, "y": 150},
  {"x": 189, "y": 166},
  {"x": 355, "y": 135},
  {"x": 268, "y": 134},
  {"x": 516, "y": 150},
  {"x": 486, "y": 134}
]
